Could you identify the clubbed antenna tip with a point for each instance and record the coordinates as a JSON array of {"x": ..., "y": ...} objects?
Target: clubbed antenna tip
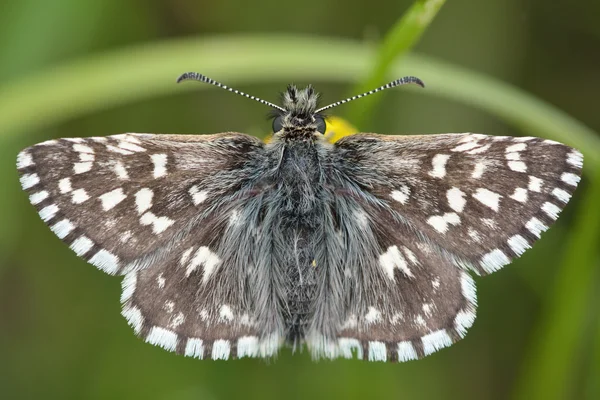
[{"x": 398, "y": 82}]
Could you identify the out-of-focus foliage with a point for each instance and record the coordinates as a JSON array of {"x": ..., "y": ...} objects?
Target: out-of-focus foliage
[{"x": 72, "y": 68}]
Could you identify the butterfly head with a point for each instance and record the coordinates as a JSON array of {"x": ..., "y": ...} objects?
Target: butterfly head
[{"x": 299, "y": 117}]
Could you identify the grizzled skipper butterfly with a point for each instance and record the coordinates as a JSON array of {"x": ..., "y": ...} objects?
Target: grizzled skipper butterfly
[{"x": 231, "y": 247}]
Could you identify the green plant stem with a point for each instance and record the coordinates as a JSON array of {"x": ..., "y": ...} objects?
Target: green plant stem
[
  {"x": 399, "y": 40},
  {"x": 558, "y": 342}
]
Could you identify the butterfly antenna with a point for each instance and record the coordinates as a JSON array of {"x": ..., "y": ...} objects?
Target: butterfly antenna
[
  {"x": 397, "y": 82},
  {"x": 194, "y": 76}
]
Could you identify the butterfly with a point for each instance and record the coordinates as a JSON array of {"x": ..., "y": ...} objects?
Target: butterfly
[{"x": 231, "y": 247}]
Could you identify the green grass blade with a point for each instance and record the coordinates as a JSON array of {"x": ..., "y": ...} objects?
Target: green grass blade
[
  {"x": 108, "y": 80},
  {"x": 399, "y": 40}
]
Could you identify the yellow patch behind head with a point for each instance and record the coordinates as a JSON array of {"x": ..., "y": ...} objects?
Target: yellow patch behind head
[{"x": 337, "y": 128}]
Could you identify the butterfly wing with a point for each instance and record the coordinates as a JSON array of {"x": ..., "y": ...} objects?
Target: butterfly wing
[
  {"x": 441, "y": 205},
  {"x": 124, "y": 202},
  {"x": 129, "y": 202}
]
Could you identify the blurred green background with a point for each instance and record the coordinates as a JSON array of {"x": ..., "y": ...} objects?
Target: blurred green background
[{"x": 506, "y": 67}]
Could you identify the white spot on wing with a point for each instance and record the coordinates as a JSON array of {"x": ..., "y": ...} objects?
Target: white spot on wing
[
  {"x": 377, "y": 351},
  {"x": 494, "y": 260},
  {"x": 247, "y": 346},
  {"x": 456, "y": 199},
  {"x": 478, "y": 170},
  {"x": 519, "y": 195},
  {"x": 198, "y": 196},
  {"x": 106, "y": 261},
  {"x": 518, "y": 244},
  {"x": 536, "y": 227},
  {"x": 112, "y": 198},
  {"x": 517, "y": 166},
  {"x": 79, "y": 196},
  {"x": 406, "y": 351},
  {"x": 535, "y": 184},
  {"x": 552, "y": 210},
  {"x": 120, "y": 170},
  {"x": 203, "y": 256},
  {"x": 561, "y": 195},
  {"x": 225, "y": 313},
  {"x": 435, "y": 341},
  {"x": 38, "y": 197},
  {"x": 160, "y": 165},
  {"x": 410, "y": 255},
  {"x": 440, "y": 222},
  {"x": 29, "y": 180},
  {"x": 177, "y": 320},
  {"x": 81, "y": 245},
  {"x": 348, "y": 346},
  {"x": 159, "y": 224},
  {"x": 163, "y": 338},
  {"x": 467, "y": 286},
  {"x": 48, "y": 212},
  {"x": 134, "y": 317},
  {"x": 82, "y": 148},
  {"x": 194, "y": 348},
  {"x": 143, "y": 199},
  {"x": 126, "y": 236},
  {"x": 488, "y": 198},
  {"x": 570, "y": 179},
  {"x": 24, "y": 160},
  {"x": 62, "y": 228},
  {"x": 127, "y": 145},
  {"x": 86, "y": 157},
  {"x": 221, "y": 350},
  {"x": 114, "y": 149},
  {"x": 81, "y": 167},
  {"x": 128, "y": 286},
  {"x": 64, "y": 185},
  {"x": 160, "y": 279},
  {"x": 475, "y": 235},
  {"x": 516, "y": 147},
  {"x": 438, "y": 164},
  {"x": 373, "y": 316},
  {"x": 169, "y": 306},
  {"x": 463, "y": 321},
  {"x": 575, "y": 158},
  {"x": 186, "y": 254},
  {"x": 391, "y": 259},
  {"x": 402, "y": 195}
]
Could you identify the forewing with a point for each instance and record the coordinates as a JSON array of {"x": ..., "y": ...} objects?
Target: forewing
[
  {"x": 125, "y": 202},
  {"x": 436, "y": 205},
  {"x": 482, "y": 200}
]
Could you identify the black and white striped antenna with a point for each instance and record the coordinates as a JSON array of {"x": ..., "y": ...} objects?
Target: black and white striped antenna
[
  {"x": 199, "y": 77},
  {"x": 397, "y": 82}
]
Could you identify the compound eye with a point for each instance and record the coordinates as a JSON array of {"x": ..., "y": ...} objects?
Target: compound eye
[
  {"x": 321, "y": 125},
  {"x": 277, "y": 124}
]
